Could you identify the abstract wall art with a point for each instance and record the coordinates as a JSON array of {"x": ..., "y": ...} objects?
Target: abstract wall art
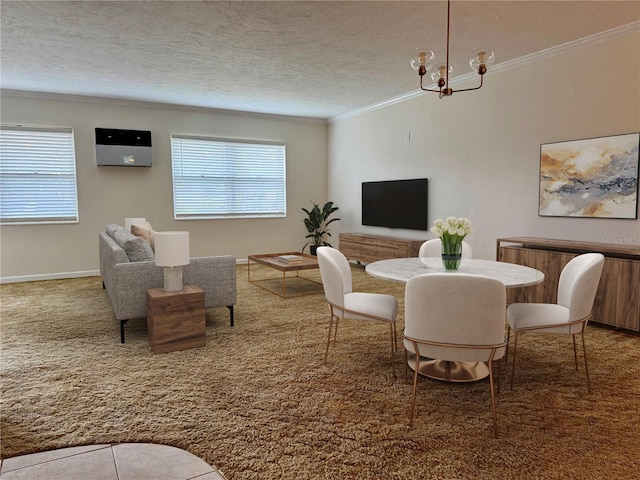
[{"x": 596, "y": 177}]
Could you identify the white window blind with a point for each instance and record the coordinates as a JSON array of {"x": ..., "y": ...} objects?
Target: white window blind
[
  {"x": 220, "y": 178},
  {"x": 37, "y": 175}
]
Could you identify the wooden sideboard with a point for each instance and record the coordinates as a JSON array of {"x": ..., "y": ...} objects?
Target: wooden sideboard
[
  {"x": 364, "y": 248},
  {"x": 618, "y": 298}
]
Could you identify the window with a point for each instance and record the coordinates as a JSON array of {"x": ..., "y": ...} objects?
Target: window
[
  {"x": 220, "y": 178},
  {"x": 37, "y": 175}
]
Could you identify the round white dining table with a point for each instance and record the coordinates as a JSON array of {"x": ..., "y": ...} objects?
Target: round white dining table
[{"x": 402, "y": 269}]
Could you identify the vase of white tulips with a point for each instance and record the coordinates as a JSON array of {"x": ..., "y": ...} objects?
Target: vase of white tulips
[{"x": 451, "y": 233}]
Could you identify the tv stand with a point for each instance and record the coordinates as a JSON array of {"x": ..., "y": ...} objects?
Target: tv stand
[{"x": 363, "y": 248}]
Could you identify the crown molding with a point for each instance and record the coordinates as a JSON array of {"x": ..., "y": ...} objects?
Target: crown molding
[
  {"x": 546, "y": 54},
  {"x": 63, "y": 97}
]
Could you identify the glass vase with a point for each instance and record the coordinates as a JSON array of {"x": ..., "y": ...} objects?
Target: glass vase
[{"x": 451, "y": 255}]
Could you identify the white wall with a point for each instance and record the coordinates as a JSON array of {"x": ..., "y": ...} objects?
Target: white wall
[
  {"x": 481, "y": 150},
  {"x": 109, "y": 194}
]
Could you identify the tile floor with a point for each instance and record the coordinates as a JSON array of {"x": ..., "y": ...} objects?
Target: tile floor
[{"x": 125, "y": 461}]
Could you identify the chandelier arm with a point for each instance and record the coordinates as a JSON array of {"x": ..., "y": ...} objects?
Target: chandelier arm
[
  {"x": 470, "y": 89},
  {"x": 428, "y": 89},
  {"x": 467, "y": 89}
]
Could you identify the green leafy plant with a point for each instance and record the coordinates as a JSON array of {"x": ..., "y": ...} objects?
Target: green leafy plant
[{"x": 317, "y": 222}]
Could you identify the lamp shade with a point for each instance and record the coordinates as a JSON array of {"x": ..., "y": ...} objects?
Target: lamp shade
[
  {"x": 133, "y": 221},
  {"x": 172, "y": 249}
]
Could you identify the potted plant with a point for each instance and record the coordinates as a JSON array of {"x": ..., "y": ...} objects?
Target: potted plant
[{"x": 317, "y": 222}]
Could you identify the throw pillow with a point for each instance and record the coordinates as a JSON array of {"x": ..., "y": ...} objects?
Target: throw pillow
[
  {"x": 112, "y": 228},
  {"x": 136, "y": 248},
  {"x": 145, "y": 231}
]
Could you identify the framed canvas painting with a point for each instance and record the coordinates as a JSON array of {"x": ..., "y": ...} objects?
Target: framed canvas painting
[{"x": 596, "y": 177}]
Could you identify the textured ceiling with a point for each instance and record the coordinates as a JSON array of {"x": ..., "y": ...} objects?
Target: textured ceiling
[{"x": 302, "y": 58}]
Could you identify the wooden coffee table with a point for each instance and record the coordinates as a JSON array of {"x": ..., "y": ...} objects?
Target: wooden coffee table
[{"x": 308, "y": 262}]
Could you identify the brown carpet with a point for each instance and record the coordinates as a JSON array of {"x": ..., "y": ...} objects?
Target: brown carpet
[{"x": 258, "y": 403}]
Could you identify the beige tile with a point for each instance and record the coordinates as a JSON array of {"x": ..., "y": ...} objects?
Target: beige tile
[
  {"x": 35, "y": 458},
  {"x": 146, "y": 461},
  {"x": 96, "y": 465}
]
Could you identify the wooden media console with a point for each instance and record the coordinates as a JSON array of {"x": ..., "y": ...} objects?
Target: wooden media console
[{"x": 365, "y": 248}]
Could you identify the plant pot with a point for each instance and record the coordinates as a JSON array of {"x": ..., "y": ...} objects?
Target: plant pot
[{"x": 313, "y": 249}]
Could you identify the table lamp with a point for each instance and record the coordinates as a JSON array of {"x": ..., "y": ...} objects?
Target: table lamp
[
  {"x": 133, "y": 221},
  {"x": 172, "y": 251}
]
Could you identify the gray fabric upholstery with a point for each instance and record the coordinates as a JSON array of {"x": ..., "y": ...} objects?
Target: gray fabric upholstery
[
  {"x": 112, "y": 228},
  {"x": 136, "y": 248},
  {"x": 127, "y": 282}
]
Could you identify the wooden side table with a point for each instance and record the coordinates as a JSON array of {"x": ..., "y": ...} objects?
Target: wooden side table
[{"x": 176, "y": 320}]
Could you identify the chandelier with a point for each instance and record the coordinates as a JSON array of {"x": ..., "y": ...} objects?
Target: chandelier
[{"x": 424, "y": 61}]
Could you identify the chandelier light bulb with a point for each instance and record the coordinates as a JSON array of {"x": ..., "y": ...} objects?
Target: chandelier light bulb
[
  {"x": 441, "y": 72},
  {"x": 422, "y": 58},
  {"x": 482, "y": 56}
]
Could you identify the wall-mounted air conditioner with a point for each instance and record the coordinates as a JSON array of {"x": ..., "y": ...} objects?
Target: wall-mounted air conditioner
[{"x": 123, "y": 148}]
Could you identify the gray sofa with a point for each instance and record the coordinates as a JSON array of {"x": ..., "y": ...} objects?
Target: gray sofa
[{"x": 127, "y": 281}]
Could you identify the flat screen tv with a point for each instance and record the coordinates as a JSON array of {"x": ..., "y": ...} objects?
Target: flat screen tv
[{"x": 395, "y": 204}]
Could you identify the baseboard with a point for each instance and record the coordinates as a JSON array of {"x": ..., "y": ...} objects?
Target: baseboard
[
  {"x": 49, "y": 276},
  {"x": 63, "y": 275}
]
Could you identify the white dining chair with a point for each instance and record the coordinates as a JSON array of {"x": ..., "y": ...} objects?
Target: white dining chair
[
  {"x": 454, "y": 318},
  {"x": 433, "y": 248},
  {"x": 577, "y": 288},
  {"x": 345, "y": 303}
]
